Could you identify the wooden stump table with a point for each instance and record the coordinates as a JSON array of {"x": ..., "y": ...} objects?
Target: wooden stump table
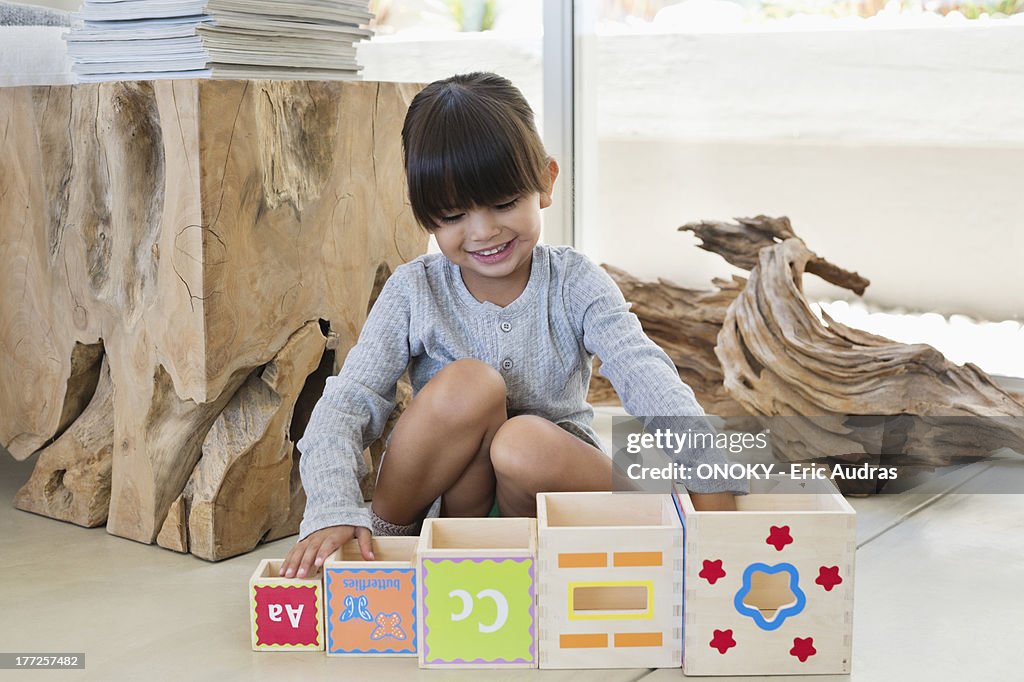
[{"x": 184, "y": 263}]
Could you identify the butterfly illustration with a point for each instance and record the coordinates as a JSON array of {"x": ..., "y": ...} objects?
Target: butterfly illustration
[
  {"x": 355, "y": 608},
  {"x": 388, "y": 625}
]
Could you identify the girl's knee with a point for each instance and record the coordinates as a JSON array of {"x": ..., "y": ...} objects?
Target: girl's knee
[
  {"x": 516, "y": 447},
  {"x": 467, "y": 388}
]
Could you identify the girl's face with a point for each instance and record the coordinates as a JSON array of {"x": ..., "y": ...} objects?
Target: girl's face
[{"x": 493, "y": 245}]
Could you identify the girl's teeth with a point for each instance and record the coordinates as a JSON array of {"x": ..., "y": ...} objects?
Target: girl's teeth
[{"x": 493, "y": 251}]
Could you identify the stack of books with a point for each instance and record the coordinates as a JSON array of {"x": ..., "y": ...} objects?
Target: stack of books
[{"x": 149, "y": 39}]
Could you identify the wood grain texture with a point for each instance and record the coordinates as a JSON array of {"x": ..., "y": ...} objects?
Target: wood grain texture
[
  {"x": 240, "y": 489},
  {"x": 71, "y": 478},
  {"x": 184, "y": 232},
  {"x": 740, "y": 243}
]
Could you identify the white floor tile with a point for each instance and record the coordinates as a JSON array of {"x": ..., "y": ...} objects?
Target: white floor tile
[
  {"x": 937, "y": 589},
  {"x": 140, "y": 612}
]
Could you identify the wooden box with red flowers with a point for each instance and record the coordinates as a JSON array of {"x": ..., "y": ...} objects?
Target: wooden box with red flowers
[{"x": 768, "y": 589}]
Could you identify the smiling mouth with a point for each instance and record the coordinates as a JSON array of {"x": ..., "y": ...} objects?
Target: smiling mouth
[{"x": 496, "y": 249}]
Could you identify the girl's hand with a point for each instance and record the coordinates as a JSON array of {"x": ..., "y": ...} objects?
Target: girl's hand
[{"x": 317, "y": 546}]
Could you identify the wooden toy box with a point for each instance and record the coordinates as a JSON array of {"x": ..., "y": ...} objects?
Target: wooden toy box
[
  {"x": 285, "y": 614},
  {"x": 370, "y": 606},
  {"x": 768, "y": 589},
  {"x": 477, "y": 595},
  {"x": 610, "y": 592}
]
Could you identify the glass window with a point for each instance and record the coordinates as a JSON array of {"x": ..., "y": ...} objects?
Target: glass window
[
  {"x": 890, "y": 133},
  {"x": 425, "y": 40}
]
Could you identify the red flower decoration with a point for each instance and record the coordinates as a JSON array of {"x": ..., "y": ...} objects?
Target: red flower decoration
[
  {"x": 803, "y": 648},
  {"x": 712, "y": 571},
  {"x": 779, "y": 537},
  {"x": 828, "y": 577},
  {"x": 723, "y": 641}
]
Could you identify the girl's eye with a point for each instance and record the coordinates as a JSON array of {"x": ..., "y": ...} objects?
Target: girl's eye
[
  {"x": 507, "y": 205},
  {"x": 449, "y": 219}
]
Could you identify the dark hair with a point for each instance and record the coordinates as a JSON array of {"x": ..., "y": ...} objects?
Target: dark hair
[{"x": 470, "y": 140}]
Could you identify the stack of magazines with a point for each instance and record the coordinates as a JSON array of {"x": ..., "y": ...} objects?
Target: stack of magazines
[{"x": 149, "y": 39}]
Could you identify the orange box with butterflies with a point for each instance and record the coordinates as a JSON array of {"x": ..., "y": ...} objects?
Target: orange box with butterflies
[{"x": 370, "y": 606}]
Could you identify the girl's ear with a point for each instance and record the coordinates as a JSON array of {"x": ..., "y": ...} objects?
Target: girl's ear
[{"x": 545, "y": 197}]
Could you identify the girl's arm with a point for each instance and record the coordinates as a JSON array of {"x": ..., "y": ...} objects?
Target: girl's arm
[
  {"x": 643, "y": 375},
  {"x": 352, "y": 413}
]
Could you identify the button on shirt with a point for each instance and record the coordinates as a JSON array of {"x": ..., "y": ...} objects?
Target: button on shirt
[{"x": 543, "y": 344}]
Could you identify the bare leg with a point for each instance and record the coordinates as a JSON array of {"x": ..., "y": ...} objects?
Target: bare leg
[
  {"x": 532, "y": 455},
  {"x": 440, "y": 446},
  {"x": 713, "y": 501}
]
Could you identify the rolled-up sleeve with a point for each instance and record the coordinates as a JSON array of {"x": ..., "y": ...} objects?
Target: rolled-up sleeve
[
  {"x": 352, "y": 413},
  {"x": 643, "y": 375}
]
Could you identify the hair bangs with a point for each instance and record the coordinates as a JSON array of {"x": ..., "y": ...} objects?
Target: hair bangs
[{"x": 467, "y": 150}]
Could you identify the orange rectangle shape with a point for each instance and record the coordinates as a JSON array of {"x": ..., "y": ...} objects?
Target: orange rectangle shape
[
  {"x": 583, "y": 560},
  {"x": 638, "y": 558},
  {"x": 591, "y": 641},
  {"x": 637, "y": 639}
]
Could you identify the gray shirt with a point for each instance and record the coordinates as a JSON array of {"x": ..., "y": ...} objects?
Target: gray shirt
[{"x": 542, "y": 343}]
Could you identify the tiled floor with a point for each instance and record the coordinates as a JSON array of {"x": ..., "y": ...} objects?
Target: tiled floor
[{"x": 938, "y": 597}]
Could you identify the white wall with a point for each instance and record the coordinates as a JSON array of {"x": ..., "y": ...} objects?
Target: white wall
[
  {"x": 932, "y": 228},
  {"x": 944, "y": 85}
]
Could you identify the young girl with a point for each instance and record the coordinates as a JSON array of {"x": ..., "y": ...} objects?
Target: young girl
[{"x": 497, "y": 332}]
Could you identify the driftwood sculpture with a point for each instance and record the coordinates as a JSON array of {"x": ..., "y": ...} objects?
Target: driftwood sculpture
[
  {"x": 184, "y": 264},
  {"x": 756, "y": 347},
  {"x": 779, "y": 359}
]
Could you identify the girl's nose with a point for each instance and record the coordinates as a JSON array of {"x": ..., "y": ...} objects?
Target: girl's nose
[{"x": 482, "y": 227}]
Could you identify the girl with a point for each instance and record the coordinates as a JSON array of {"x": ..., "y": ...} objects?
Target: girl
[{"x": 498, "y": 334}]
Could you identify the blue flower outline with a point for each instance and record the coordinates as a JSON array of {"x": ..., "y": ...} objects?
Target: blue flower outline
[{"x": 782, "y": 614}]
